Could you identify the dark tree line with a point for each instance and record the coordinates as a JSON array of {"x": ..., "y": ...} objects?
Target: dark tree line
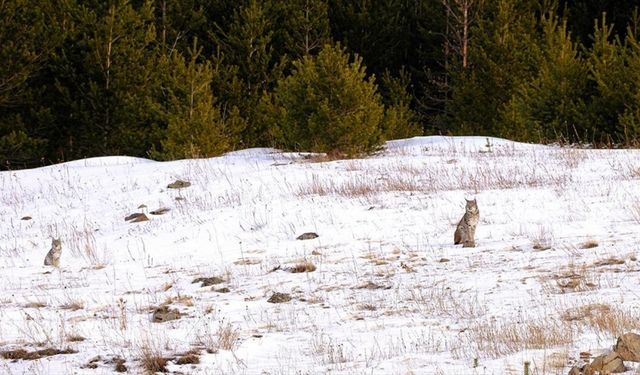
[{"x": 173, "y": 79}]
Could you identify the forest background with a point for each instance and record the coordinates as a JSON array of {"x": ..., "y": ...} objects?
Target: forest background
[{"x": 171, "y": 79}]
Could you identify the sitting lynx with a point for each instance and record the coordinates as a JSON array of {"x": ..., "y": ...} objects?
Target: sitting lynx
[
  {"x": 53, "y": 256},
  {"x": 466, "y": 230}
]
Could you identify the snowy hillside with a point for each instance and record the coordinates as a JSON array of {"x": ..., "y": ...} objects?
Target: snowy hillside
[{"x": 554, "y": 273}]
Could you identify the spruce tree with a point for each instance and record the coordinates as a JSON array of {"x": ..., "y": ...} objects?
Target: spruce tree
[
  {"x": 608, "y": 71},
  {"x": 504, "y": 52},
  {"x": 553, "y": 105},
  {"x": 400, "y": 121},
  {"x": 247, "y": 65},
  {"x": 629, "y": 127},
  {"x": 301, "y": 27},
  {"x": 30, "y": 33},
  {"x": 194, "y": 125},
  {"x": 107, "y": 81},
  {"x": 327, "y": 104}
]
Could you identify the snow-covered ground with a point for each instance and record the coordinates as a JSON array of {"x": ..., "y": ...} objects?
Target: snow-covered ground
[{"x": 554, "y": 273}]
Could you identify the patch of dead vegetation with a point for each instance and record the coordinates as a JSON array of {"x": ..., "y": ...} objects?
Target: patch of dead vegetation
[
  {"x": 278, "y": 297},
  {"x": 303, "y": 266},
  {"x": 208, "y": 281},
  {"x": 372, "y": 286},
  {"x": 378, "y": 260},
  {"x": 363, "y": 185},
  {"x": 72, "y": 305},
  {"x": 22, "y": 354},
  {"x": 191, "y": 357},
  {"x": 584, "y": 312},
  {"x": 574, "y": 279},
  {"x": 247, "y": 262},
  {"x": 120, "y": 365},
  {"x": 35, "y": 305},
  {"x": 75, "y": 338},
  {"x": 604, "y": 318},
  {"x": 497, "y": 339},
  {"x": 589, "y": 244},
  {"x": 367, "y": 307},
  {"x": 152, "y": 361},
  {"x": 611, "y": 261},
  {"x": 179, "y": 299}
]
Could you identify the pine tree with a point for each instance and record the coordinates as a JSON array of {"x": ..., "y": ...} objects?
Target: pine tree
[
  {"x": 326, "y": 105},
  {"x": 194, "y": 125},
  {"x": 247, "y": 65},
  {"x": 629, "y": 128},
  {"x": 108, "y": 83},
  {"x": 30, "y": 32},
  {"x": 178, "y": 22},
  {"x": 553, "y": 105},
  {"x": 301, "y": 27},
  {"x": 608, "y": 71},
  {"x": 400, "y": 121},
  {"x": 504, "y": 53}
]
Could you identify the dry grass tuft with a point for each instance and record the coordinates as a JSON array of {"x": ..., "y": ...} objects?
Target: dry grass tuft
[
  {"x": 557, "y": 360},
  {"x": 35, "y": 305},
  {"x": 589, "y": 244},
  {"x": 183, "y": 300},
  {"x": 584, "y": 312},
  {"x": 613, "y": 321},
  {"x": 611, "y": 261},
  {"x": 498, "y": 339},
  {"x": 366, "y": 185},
  {"x": 542, "y": 239},
  {"x": 574, "y": 279},
  {"x": 73, "y": 305},
  {"x": 120, "y": 367},
  {"x": 190, "y": 358},
  {"x": 227, "y": 337},
  {"x": 75, "y": 338},
  {"x": 304, "y": 266},
  {"x": 247, "y": 261},
  {"x": 603, "y": 318},
  {"x": 152, "y": 361},
  {"x": 367, "y": 307}
]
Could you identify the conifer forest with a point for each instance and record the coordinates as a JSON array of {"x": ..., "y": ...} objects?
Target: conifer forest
[{"x": 174, "y": 79}]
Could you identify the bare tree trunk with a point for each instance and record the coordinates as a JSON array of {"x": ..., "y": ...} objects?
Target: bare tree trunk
[
  {"x": 465, "y": 33},
  {"x": 164, "y": 23},
  {"x": 460, "y": 15}
]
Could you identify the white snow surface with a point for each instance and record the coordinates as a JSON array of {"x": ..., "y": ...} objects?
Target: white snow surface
[{"x": 556, "y": 256}]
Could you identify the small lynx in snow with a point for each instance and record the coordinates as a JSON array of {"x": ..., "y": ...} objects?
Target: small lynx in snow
[
  {"x": 466, "y": 230},
  {"x": 53, "y": 256}
]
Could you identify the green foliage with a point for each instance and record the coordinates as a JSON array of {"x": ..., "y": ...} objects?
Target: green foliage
[
  {"x": 83, "y": 78},
  {"x": 553, "y": 105},
  {"x": 29, "y": 33},
  {"x": 504, "y": 53},
  {"x": 194, "y": 125},
  {"x": 400, "y": 121},
  {"x": 629, "y": 126},
  {"x": 17, "y": 148},
  {"x": 107, "y": 79},
  {"x": 608, "y": 72},
  {"x": 178, "y": 22},
  {"x": 614, "y": 67},
  {"x": 301, "y": 27},
  {"x": 248, "y": 62},
  {"x": 326, "y": 105}
]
